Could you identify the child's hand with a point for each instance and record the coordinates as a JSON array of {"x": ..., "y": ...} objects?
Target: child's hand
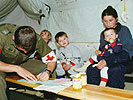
[
  {"x": 98, "y": 52},
  {"x": 64, "y": 67},
  {"x": 112, "y": 40},
  {"x": 68, "y": 67}
]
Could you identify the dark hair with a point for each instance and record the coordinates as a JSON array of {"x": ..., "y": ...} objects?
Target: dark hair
[
  {"x": 59, "y": 34},
  {"x": 109, "y": 11},
  {"x": 25, "y": 37},
  {"x": 106, "y": 29}
]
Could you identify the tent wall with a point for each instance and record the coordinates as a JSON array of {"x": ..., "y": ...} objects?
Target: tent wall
[
  {"x": 6, "y": 6},
  {"x": 80, "y": 19},
  {"x": 17, "y": 16}
]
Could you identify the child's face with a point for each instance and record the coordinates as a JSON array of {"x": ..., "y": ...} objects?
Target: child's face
[
  {"x": 63, "y": 41},
  {"x": 109, "y": 21},
  {"x": 45, "y": 36},
  {"x": 110, "y": 35}
]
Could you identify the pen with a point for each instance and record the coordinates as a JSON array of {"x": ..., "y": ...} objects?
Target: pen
[{"x": 44, "y": 70}]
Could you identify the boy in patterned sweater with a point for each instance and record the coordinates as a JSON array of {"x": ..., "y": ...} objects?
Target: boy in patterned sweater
[{"x": 69, "y": 56}]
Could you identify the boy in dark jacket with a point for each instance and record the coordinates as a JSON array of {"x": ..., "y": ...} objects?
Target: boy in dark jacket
[{"x": 112, "y": 47}]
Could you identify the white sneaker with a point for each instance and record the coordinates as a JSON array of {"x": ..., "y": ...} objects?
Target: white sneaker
[
  {"x": 83, "y": 68},
  {"x": 102, "y": 83}
]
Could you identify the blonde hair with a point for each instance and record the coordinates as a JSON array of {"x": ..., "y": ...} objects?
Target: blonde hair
[{"x": 50, "y": 35}]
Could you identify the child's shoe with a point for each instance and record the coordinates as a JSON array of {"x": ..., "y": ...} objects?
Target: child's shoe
[{"x": 102, "y": 83}]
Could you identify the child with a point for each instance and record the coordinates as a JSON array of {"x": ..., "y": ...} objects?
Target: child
[
  {"x": 69, "y": 56},
  {"x": 47, "y": 36},
  {"x": 112, "y": 46}
]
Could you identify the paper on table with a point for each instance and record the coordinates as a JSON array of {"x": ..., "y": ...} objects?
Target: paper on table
[
  {"x": 50, "y": 85},
  {"x": 54, "y": 89},
  {"x": 62, "y": 80}
]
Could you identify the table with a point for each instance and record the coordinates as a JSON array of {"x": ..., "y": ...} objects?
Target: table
[
  {"x": 89, "y": 92},
  {"x": 14, "y": 79},
  {"x": 93, "y": 92}
]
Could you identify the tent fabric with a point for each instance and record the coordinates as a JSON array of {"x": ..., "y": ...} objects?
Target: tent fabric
[
  {"x": 36, "y": 9},
  {"x": 74, "y": 17},
  {"x": 7, "y": 6},
  {"x": 18, "y": 17},
  {"x": 30, "y": 8},
  {"x": 80, "y": 19}
]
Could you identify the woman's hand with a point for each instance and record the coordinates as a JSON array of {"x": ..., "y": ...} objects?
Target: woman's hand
[{"x": 101, "y": 64}]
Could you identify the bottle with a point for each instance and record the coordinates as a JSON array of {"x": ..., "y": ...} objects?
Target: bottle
[
  {"x": 83, "y": 79},
  {"x": 77, "y": 82}
]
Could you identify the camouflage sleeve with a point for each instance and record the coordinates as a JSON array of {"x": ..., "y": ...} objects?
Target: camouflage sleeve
[
  {"x": 7, "y": 28},
  {"x": 2, "y": 38},
  {"x": 45, "y": 51}
]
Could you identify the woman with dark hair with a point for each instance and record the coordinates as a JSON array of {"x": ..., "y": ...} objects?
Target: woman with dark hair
[
  {"x": 110, "y": 19},
  {"x": 115, "y": 62}
]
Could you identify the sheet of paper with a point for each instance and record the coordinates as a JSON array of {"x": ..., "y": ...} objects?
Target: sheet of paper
[
  {"x": 54, "y": 89},
  {"x": 48, "y": 83},
  {"x": 51, "y": 85},
  {"x": 62, "y": 80}
]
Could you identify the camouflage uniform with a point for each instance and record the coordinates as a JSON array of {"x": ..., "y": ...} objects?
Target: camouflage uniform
[{"x": 11, "y": 55}]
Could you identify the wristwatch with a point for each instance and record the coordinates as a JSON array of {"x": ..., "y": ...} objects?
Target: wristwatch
[{"x": 50, "y": 73}]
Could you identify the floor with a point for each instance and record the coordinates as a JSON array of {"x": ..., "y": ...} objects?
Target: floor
[
  {"x": 128, "y": 86},
  {"x": 129, "y": 81}
]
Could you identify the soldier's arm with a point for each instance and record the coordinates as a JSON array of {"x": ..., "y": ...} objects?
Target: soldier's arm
[{"x": 19, "y": 70}]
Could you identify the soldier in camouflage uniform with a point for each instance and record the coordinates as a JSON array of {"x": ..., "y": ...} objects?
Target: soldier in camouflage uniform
[{"x": 17, "y": 44}]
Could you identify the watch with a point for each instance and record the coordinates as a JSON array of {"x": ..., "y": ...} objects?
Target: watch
[{"x": 49, "y": 71}]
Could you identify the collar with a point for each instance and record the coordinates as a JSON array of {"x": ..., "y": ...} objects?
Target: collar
[{"x": 118, "y": 27}]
